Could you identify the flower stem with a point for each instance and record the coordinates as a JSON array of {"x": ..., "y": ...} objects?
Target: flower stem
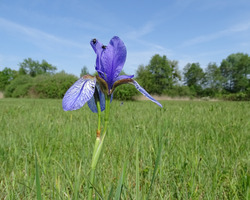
[
  {"x": 99, "y": 143},
  {"x": 107, "y": 108}
]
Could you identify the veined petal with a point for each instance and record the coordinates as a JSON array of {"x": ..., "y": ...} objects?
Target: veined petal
[
  {"x": 79, "y": 93},
  {"x": 112, "y": 59},
  {"x": 144, "y": 92},
  {"x": 92, "y": 102}
]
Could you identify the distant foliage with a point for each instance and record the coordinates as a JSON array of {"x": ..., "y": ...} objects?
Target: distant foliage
[
  {"x": 235, "y": 70},
  {"x": 125, "y": 92},
  {"x": 52, "y": 86},
  {"x": 19, "y": 87},
  {"x": 42, "y": 86},
  {"x": 180, "y": 91},
  {"x": 6, "y": 76},
  {"x": 229, "y": 81},
  {"x": 84, "y": 71},
  {"x": 34, "y": 67},
  {"x": 159, "y": 75}
]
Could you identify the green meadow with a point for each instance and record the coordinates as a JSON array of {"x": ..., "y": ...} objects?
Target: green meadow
[{"x": 187, "y": 150}]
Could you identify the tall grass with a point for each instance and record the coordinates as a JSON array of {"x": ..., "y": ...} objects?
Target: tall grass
[{"x": 205, "y": 150}]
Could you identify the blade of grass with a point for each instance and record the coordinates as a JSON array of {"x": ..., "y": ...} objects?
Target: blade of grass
[
  {"x": 110, "y": 193},
  {"x": 97, "y": 192},
  {"x": 137, "y": 175},
  {"x": 38, "y": 186},
  {"x": 157, "y": 162},
  {"x": 77, "y": 182},
  {"x": 120, "y": 183}
]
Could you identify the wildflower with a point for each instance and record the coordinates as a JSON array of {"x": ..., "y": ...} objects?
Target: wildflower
[{"x": 109, "y": 63}]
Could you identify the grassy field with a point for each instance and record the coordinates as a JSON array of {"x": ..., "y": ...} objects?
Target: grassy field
[{"x": 205, "y": 149}]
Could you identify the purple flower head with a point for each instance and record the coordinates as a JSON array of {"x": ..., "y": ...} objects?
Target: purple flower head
[{"x": 110, "y": 60}]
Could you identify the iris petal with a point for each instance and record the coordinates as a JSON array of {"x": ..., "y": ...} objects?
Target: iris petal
[
  {"x": 112, "y": 59},
  {"x": 124, "y": 77},
  {"x": 92, "y": 102},
  {"x": 144, "y": 92},
  {"x": 97, "y": 47},
  {"x": 79, "y": 93}
]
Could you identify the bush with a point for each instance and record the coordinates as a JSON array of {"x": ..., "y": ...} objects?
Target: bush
[
  {"x": 180, "y": 91},
  {"x": 237, "y": 97},
  {"x": 125, "y": 92},
  {"x": 19, "y": 87},
  {"x": 52, "y": 86}
]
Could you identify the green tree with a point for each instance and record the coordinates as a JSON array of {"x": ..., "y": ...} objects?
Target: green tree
[
  {"x": 46, "y": 68},
  {"x": 34, "y": 68},
  {"x": 6, "y": 75},
  {"x": 84, "y": 71},
  {"x": 213, "y": 78},
  {"x": 159, "y": 75},
  {"x": 194, "y": 77},
  {"x": 235, "y": 70},
  {"x": 193, "y": 74}
]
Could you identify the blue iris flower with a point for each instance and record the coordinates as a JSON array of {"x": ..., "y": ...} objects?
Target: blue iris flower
[{"x": 109, "y": 63}]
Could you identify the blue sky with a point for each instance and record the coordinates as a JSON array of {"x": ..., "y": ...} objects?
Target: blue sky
[{"x": 59, "y": 31}]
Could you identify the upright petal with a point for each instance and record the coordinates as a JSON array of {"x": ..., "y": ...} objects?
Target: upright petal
[
  {"x": 112, "y": 59},
  {"x": 98, "y": 48},
  {"x": 144, "y": 92},
  {"x": 96, "y": 45},
  {"x": 79, "y": 93},
  {"x": 92, "y": 101}
]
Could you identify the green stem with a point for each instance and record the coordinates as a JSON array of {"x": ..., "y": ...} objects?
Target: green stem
[
  {"x": 107, "y": 108},
  {"x": 99, "y": 115},
  {"x": 99, "y": 143}
]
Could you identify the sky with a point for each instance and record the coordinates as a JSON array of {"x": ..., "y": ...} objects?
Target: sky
[{"x": 60, "y": 31}]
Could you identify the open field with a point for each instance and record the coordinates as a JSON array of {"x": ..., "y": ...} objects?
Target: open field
[{"x": 205, "y": 149}]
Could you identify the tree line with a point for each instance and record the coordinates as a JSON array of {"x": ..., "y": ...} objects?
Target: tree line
[{"x": 230, "y": 80}]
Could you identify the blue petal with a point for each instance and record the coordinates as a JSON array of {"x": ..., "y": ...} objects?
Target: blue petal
[
  {"x": 92, "y": 104},
  {"x": 112, "y": 59},
  {"x": 97, "y": 47},
  {"x": 79, "y": 93},
  {"x": 123, "y": 77},
  {"x": 144, "y": 92}
]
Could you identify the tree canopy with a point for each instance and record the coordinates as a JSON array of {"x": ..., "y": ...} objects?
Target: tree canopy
[
  {"x": 235, "y": 70},
  {"x": 34, "y": 68},
  {"x": 159, "y": 75}
]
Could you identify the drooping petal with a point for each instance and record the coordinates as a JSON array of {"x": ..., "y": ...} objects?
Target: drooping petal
[
  {"x": 124, "y": 77},
  {"x": 92, "y": 101},
  {"x": 112, "y": 59},
  {"x": 79, "y": 93},
  {"x": 144, "y": 92},
  {"x": 120, "y": 82}
]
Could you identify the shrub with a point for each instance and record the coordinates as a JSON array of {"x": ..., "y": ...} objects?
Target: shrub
[
  {"x": 237, "y": 97},
  {"x": 180, "y": 91},
  {"x": 52, "y": 86},
  {"x": 125, "y": 92},
  {"x": 19, "y": 87}
]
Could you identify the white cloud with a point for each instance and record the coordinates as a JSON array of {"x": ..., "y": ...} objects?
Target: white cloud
[
  {"x": 138, "y": 33},
  {"x": 36, "y": 36},
  {"x": 213, "y": 36}
]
